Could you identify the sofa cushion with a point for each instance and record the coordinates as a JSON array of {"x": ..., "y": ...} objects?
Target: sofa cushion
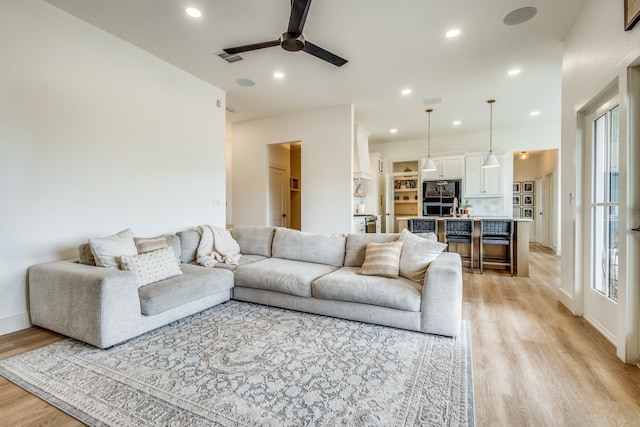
[
  {"x": 108, "y": 250},
  {"x": 310, "y": 247},
  {"x": 244, "y": 260},
  {"x": 357, "y": 246},
  {"x": 152, "y": 266},
  {"x": 173, "y": 240},
  {"x": 417, "y": 254},
  {"x": 254, "y": 240},
  {"x": 281, "y": 275},
  {"x": 150, "y": 244},
  {"x": 85, "y": 255},
  {"x": 345, "y": 284},
  {"x": 195, "y": 283},
  {"x": 189, "y": 241},
  {"x": 382, "y": 259}
]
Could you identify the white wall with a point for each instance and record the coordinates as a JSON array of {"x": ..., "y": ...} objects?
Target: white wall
[
  {"x": 504, "y": 140},
  {"x": 327, "y": 167},
  {"x": 597, "y": 53},
  {"x": 96, "y": 135}
]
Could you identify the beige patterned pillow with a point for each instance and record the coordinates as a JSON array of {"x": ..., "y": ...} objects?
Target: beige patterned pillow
[
  {"x": 382, "y": 259},
  {"x": 417, "y": 254},
  {"x": 150, "y": 244},
  {"x": 153, "y": 266}
]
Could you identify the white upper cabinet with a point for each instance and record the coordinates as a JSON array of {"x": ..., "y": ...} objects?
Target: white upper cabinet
[
  {"x": 447, "y": 168},
  {"x": 479, "y": 181}
]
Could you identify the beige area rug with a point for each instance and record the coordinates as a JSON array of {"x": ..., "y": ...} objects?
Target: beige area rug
[{"x": 240, "y": 364}]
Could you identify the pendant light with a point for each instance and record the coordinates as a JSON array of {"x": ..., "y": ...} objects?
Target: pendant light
[
  {"x": 429, "y": 165},
  {"x": 491, "y": 161}
]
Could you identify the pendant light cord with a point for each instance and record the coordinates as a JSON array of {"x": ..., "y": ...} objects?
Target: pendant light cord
[
  {"x": 429, "y": 132},
  {"x": 491, "y": 101}
]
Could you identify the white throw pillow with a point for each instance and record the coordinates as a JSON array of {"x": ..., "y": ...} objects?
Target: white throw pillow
[
  {"x": 108, "y": 250},
  {"x": 151, "y": 267},
  {"x": 417, "y": 254},
  {"x": 382, "y": 259}
]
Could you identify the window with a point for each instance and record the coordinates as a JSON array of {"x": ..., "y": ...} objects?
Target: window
[{"x": 604, "y": 203}]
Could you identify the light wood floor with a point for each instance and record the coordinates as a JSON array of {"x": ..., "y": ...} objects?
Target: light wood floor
[{"x": 534, "y": 363}]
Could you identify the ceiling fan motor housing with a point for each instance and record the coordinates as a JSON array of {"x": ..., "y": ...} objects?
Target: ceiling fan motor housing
[{"x": 292, "y": 42}]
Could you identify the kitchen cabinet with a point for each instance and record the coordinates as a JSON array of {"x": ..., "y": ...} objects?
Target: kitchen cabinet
[
  {"x": 450, "y": 167},
  {"x": 479, "y": 181},
  {"x": 359, "y": 225}
]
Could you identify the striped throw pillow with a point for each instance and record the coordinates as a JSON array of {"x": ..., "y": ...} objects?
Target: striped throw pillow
[
  {"x": 382, "y": 259},
  {"x": 150, "y": 244}
]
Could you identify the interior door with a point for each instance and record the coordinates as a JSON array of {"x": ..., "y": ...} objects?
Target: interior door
[
  {"x": 602, "y": 160},
  {"x": 277, "y": 191}
]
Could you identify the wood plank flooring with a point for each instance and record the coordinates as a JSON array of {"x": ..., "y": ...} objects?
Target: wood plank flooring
[{"x": 534, "y": 363}]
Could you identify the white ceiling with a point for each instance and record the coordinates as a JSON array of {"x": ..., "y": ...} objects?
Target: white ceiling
[{"x": 390, "y": 45}]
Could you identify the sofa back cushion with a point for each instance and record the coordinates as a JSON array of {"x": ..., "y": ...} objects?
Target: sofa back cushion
[
  {"x": 310, "y": 247},
  {"x": 189, "y": 241},
  {"x": 254, "y": 240},
  {"x": 357, "y": 246}
]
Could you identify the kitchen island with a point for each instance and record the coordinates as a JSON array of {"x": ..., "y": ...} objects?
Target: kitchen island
[{"x": 520, "y": 242}]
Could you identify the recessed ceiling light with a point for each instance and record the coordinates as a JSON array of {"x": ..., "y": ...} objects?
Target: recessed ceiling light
[
  {"x": 453, "y": 33},
  {"x": 535, "y": 113},
  {"x": 192, "y": 11},
  {"x": 245, "y": 82},
  {"x": 514, "y": 72},
  {"x": 457, "y": 123},
  {"x": 406, "y": 91},
  {"x": 278, "y": 75},
  {"x": 393, "y": 130}
]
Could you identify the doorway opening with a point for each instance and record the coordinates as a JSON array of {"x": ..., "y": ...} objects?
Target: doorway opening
[
  {"x": 285, "y": 185},
  {"x": 536, "y": 195}
]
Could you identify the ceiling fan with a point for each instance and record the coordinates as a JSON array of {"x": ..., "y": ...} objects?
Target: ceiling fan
[{"x": 293, "y": 40}]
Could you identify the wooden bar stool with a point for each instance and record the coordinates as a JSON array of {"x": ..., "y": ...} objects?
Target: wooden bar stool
[
  {"x": 424, "y": 225},
  {"x": 497, "y": 232},
  {"x": 459, "y": 231}
]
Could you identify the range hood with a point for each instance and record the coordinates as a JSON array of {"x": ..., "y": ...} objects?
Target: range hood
[{"x": 361, "y": 166}]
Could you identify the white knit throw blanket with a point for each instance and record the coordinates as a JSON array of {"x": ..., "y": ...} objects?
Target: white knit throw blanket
[{"x": 216, "y": 245}]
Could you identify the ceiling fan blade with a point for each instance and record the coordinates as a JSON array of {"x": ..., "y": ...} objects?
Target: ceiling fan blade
[
  {"x": 299, "y": 10},
  {"x": 248, "y": 47},
  {"x": 319, "y": 52}
]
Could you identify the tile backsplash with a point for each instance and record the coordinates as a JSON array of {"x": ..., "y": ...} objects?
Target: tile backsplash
[{"x": 493, "y": 206}]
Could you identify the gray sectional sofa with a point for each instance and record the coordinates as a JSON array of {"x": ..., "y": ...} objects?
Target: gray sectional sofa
[{"x": 310, "y": 272}]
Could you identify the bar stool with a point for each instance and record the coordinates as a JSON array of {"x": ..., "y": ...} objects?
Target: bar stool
[
  {"x": 497, "y": 232},
  {"x": 424, "y": 225},
  {"x": 459, "y": 231}
]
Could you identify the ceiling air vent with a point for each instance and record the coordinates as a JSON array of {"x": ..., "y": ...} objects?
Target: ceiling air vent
[
  {"x": 431, "y": 101},
  {"x": 230, "y": 58}
]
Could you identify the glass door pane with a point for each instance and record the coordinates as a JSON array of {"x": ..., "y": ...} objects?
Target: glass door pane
[{"x": 604, "y": 206}]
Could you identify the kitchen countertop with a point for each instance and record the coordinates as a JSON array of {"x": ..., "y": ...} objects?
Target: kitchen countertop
[{"x": 475, "y": 218}]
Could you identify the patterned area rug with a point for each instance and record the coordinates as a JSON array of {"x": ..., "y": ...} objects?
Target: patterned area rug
[{"x": 240, "y": 364}]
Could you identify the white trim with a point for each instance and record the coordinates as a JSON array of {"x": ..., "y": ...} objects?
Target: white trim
[
  {"x": 603, "y": 331},
  {"x": 14, "y": 323}
]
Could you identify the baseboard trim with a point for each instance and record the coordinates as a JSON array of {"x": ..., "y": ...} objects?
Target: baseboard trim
[
  {"x": 598, "y": 327},
  {"x": 566, "y": 300},
  {"x": 14, "y": 323}
]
